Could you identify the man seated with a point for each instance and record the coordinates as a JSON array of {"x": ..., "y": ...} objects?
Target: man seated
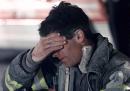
[{"x": 69, "y": 57}]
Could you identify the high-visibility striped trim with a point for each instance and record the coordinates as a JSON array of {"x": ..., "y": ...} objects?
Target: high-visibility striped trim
[
  {"x": 10, "y": 84},
  {"x": 101, "y": 90},
  {"x": 33, "y": 87},
  {"x": 39, "y": 82},
  {"x": 42, "y": 80},
  {"x": 124, "y": 87}
]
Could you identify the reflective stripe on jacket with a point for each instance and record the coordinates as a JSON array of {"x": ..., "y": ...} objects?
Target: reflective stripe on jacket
[{"x": 39, "y": 82}]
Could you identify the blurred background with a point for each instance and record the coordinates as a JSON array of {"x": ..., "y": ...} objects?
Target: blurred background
[{"x": 20, "y": 19}]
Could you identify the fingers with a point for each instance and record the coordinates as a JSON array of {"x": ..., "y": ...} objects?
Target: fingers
[
  {"x": 55, "y": 44},
  {"x": 52, "y": 49},
  {"x": 48, "y": 45},
  {"x": 53, "y": 40},
  {"x": 51, "y": 36}
]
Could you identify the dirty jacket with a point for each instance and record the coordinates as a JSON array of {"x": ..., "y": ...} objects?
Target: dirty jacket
[{"x": 107, "y": 70}]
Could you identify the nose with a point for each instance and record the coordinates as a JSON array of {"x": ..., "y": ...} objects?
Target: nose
[{"x": 56, "y": 54}]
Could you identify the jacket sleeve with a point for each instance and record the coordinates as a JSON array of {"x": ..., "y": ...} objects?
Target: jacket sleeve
[
  {"x": 119, "y": 80},
  {"x": 23, "y": 72}
]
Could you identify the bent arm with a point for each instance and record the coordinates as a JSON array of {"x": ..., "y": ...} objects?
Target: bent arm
[{"x": 21, "y": 73}]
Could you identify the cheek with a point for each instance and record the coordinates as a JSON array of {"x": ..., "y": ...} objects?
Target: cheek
[
  {"x": 72, "y": 53},
  {"x": 67, "y": 52},
  {"x": 75, "y": 52},
  {"x": 72, "y": 50}
]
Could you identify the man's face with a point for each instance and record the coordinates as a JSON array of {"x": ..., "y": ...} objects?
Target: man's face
[{"x": 71, "y": 53}]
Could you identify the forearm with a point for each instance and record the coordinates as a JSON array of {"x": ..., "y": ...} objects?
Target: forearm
[{"x": 21, "y": 71}]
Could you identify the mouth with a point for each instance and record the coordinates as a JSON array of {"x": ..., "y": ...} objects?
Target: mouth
[{"x": 61, "y": 58}]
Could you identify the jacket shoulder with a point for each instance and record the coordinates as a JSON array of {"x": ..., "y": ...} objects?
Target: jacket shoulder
[{"x": 118, "y": 67}]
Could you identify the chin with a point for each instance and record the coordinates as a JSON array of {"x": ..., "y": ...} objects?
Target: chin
[{"x": 69, "y": 65}]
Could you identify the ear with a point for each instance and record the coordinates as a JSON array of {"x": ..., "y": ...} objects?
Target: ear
[{"x": 79, "y": 36}]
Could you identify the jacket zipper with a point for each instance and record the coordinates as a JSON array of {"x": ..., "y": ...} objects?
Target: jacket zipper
[{"x": 67, "y": 77}]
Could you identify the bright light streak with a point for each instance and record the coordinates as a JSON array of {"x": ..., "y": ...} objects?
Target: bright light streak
[{"x": 25, "y": 5}]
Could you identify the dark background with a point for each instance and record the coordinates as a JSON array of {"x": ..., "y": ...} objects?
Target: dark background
[{"x": 119, "y": 19}]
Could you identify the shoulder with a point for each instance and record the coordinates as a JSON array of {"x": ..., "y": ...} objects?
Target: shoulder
[
  {"x": 118, "y": 70},
  {"x": 118, "y": 60}
]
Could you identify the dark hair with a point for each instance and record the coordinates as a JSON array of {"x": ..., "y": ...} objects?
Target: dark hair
[{"x": 65, "y": 19}]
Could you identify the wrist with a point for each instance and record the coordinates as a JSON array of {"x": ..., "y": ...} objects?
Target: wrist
[
  {"x": 28, "y": 64},
  {"x": 36, "y": 57}
]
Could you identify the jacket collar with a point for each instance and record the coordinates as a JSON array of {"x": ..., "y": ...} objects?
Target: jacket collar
[
  {"x": 100, "y": 55},
  {"x": 87, "y": 52}
]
